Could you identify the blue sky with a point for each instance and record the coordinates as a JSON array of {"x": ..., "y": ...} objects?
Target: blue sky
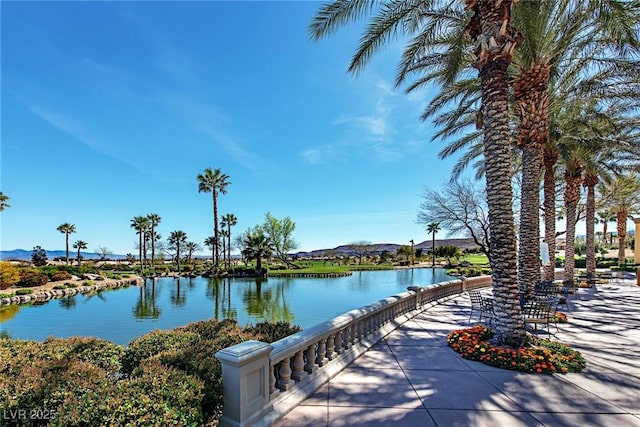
[{"x": 111, "y": 109}]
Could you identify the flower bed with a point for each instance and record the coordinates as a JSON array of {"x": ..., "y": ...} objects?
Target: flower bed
[
  {"x": 537, "y": 356},
  {"x": 558, "y": 317}
]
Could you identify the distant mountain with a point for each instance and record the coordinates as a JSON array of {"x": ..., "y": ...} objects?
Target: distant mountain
[
  {"x": 392, "y": 248},
  {"x": 24, "y": 255},
  {"x": 374, "y": 248}
]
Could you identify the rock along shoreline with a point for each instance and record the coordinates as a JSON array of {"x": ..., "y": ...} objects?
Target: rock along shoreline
[{"x": 48, "y": 294}]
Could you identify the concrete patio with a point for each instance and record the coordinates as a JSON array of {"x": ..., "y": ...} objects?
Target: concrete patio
[{"x": 411, "y": 378}]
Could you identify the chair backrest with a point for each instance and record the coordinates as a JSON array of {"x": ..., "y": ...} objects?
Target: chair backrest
[
  {"x": 476, "y": 297},
  {"x": 537, "y": 309}
]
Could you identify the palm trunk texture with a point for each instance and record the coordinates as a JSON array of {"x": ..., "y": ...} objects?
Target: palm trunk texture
[
  {"x": 590, "y": 181},
  {"x": 532, "y": 105},
  {"x": 571, "y": 199},
  {"x": 549, "y": 195}
]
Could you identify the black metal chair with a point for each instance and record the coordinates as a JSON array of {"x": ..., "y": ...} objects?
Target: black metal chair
[{"x": 540, "y": 311}]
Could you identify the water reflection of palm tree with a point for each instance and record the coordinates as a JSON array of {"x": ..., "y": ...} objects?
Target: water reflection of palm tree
[
  {"x": 267, "y": 305},
  {"x": 178, "y": 299},
  {"x": 146, "y": 307},
  {"x": 68, "y": 302}
]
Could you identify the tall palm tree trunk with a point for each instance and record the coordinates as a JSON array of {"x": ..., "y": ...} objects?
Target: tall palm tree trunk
[
  {"x": 216, "y": 236},
  {"x": 532, "y": 106},
  {"x": 140, "y": 245},
  {"x": 178, "y": 257},
  {"x": 590, "y": 182},
  {"x": 153, "y": 247},
  {"x": 67, "y": 242},
  {"x": 621, "y": 217},
  {"x": 495, "y": 99},
  {"x": 571, "y": 199},
  {"x": 229, "y": 245},
  {"x": 549, "y": 194},
  {"x": 496, "y": 40},
  {"x": 433, "y": 249}
]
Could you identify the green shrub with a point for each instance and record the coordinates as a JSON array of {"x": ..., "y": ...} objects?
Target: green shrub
[
  {"x": 60, "y": 275},
  {"x": 9, "y": 275},
  {"x": 59, "y": 287},
  {"x": 5, "y": 295},
  {"x": 162, "y": 378},
  {"x": 271, "y": 332},
  {"x": 99, "y": 279},
  {"x": 30, "y": 277},
  {"x": 87, "y": 283},
  {"x": 71, "y": 285},
  {"x": 24, "y": 291}
]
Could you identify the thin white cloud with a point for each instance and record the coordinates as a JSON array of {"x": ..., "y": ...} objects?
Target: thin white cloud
[
  {"x": 76, "y": 129},
  {"x": 319, "y": 155},
  {"x": 212, "y": 122}
]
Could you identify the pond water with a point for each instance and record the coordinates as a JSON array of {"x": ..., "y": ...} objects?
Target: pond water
[{"x": 121, "y": 315}]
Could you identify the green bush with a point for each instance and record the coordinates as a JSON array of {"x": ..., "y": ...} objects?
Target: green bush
[
  {"x": 99, "y": 279},
  {"x": 271, "y": 332},
  {"x": 59, "y": 287},
  {"x": 60, "y": 275},
  {"x": 24, "y": 291},
  {"x": 9, "y": 275},
  {"x": 30, "y": 277},
  {"x": 162, "y": 378},
  {"x": 87, "y": 283}
]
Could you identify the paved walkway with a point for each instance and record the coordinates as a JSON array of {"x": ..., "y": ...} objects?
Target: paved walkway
[{"x": 411, "y": 378}]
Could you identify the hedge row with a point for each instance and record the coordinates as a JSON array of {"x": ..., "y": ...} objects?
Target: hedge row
[{"x": 166, "y": 377}]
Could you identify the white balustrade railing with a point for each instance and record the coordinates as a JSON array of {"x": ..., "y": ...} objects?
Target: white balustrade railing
[{"x": 263, "y": 382}]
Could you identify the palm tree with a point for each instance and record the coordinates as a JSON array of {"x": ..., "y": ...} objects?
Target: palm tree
[
  {"x": 230, "y": 220},
  {"x": 3, "y": 201},
  {"x": 210, "y": 242},
  {"x": 140, "y": 224},
  {"x": 573, "y": 179},
  {"x": 256, "y": 245},
  {"x": 67, "y": 229},
  {"x": 79, "y": 245},
  {"x": 433, "y": 228},
  {"x": 223, "y": 239},
  {"x": 607, "y": 146},
  {"x": 606, "y": 216},
  {"x": 176, "y": 239},
  {"x": 623, "y": 197},
  {"x": 495, "y": 41},
  {"x": 191, "y": 248},
  {"x": 154, "y": 221},
  {"x": 214, "y": 182},
  {"x": 572, "y": 40}
]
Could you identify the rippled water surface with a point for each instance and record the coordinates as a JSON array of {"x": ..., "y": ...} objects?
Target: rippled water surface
[{"x": 123, "y": 314}]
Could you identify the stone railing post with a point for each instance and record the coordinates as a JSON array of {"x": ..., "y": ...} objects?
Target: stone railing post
[
  {"x": 418, "y": 291},
  {"x": 245, "y": 376}
]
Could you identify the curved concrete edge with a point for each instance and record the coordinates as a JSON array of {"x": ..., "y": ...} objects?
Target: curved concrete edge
[{"x": 63, "y": 293}]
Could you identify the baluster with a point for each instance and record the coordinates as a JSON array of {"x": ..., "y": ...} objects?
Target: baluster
[
  {"x": 330, "y": 346},
  {"x": 355, "y": 333},
  {"x": 346, "y": 338},
  {"x": 298, "y": 367},
  {"x": 272, "y": 380},
  {"x": 338, "y": 343},
  {"x": 310, "y": 367},
  {"x": 321, "y": 352},
  {"x": 284, "y": 383}
]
